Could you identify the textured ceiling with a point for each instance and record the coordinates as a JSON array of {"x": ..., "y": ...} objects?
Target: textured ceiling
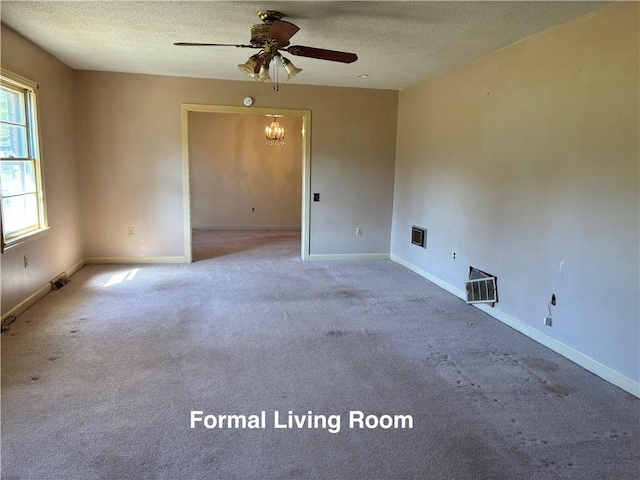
[{"x": 398, "y": 43}]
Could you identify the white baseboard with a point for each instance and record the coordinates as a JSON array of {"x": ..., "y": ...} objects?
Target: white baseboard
[
  {"x": 34, "y": 298},
  {"x": 40, "y": 294},
  {"x": 322, "y": 257},
  {"x": 249, "y": 227},
  {"x": 432, "y": 278},
  {"x": 133, "y": 260},
  {"x": 28, "y": 302},
  {"x": 610, "y": 375},
  {"x": 72, "y": 270}
]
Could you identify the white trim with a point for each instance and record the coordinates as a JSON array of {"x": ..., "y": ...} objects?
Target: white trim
[
  {"x": 186, "y": 186},
  {"x": 132, "y": 260},
  {"x": 34, "y": 154},
  {"x": 72, "y": 271},
  {"x": 594, "y": 366},
  {"x": 305, "y": 233},
  {"x": 324, "y": 257},
  {"x": 18, "y": 80},
  {"x": 249, "y": 227},
  {"x": 432, "y": 278},
  {"x": 607, "y": 373},
  {"x": 306, "y": 165},
  {"x": 25, "y": 239},
  {"x": 34, "y": 298},
  {"x": 28, "y": 302}
]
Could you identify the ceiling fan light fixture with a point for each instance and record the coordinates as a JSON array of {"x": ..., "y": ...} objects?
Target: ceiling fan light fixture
[
  {"x": 290, "y": 68},
  {"x": 264, "y": 76},
  {"x": 272, "y": 35},
  {"x": 248, "y": 68}
]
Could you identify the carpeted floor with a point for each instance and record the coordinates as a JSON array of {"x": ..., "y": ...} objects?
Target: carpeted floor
[{"x": 99, "y": 379}]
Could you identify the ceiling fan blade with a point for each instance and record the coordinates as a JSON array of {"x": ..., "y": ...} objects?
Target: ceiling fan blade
[
  {"x": 331, "y": 55},
  {"x": 282, "y": 31},
  {"x": 189, "y": 44}
]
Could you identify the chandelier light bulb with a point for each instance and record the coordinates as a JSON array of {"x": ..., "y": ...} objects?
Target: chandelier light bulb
[{"x": 274, "y": 133}]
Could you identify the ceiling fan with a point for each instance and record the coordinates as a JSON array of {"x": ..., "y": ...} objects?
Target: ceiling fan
[{"x": 272, "y": 37}]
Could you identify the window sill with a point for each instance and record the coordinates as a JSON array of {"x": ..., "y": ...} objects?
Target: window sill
[{"x": 25, "y": 239}]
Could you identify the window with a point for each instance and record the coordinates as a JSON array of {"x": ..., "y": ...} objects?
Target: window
[{"x": 23, "y": 202}]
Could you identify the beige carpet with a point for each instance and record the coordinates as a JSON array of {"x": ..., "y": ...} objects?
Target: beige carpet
[{"x": 99, "y": 379}]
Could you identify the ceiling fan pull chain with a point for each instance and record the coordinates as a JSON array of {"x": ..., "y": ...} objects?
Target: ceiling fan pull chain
[{"x": 276, "y": 85}]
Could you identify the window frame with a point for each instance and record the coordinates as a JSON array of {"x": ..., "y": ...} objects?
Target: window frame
[{"x": 29, "y": 89}]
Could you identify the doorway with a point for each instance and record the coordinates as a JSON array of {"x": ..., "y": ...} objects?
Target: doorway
[{"x": 303, "y": 117}]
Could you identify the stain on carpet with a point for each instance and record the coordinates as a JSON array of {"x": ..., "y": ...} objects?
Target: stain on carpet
[
  {"x": 558, "y": 390},
  {"x": 448, "y": 370},
  {"x": 336, "y": 333},
  {"x": 541, "y": 364},
  {"x": 340, "y": 294}
]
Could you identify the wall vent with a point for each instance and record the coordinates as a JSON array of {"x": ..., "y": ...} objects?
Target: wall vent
[
  {"x": 419, "y": 236},
  {"x": 60, "y": 281},
  {"x": 482, "y": 287}
]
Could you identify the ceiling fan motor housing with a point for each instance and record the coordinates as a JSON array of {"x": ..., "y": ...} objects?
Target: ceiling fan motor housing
[
  {"x": 259, "y": 32},
  {"x": 259, "y": 35},
  {"x": 268, "y": 16}
]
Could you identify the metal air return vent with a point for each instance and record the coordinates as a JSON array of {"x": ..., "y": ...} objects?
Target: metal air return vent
[
  {"x": 481, "y": 287},
  {"x": 419, "y": 236}
]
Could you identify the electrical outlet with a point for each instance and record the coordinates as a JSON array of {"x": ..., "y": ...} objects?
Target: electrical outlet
[
  {"x": 454, "y": 255},
  {"x": 131, "y": 231},
  {"x": 547, "y": 321},
  {"x": 553, "y": 299},
  {"x": 358, "y": 231},
  {"x": 253, "y": 209}
]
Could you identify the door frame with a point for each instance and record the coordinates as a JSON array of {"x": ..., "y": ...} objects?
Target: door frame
[{"x": 306, "y": 163}]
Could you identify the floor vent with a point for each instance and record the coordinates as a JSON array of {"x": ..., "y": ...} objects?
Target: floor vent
[
  {"x": 60, "y": 281},
  {"x": 419, "y": 236},
  {"x": 482, "y": 287}
]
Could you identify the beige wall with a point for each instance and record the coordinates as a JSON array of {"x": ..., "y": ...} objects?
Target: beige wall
[
  {"x": 62, "y": 247},
  {"x": 525, "y": 163},
  {"x": 129, "y": 134},
  {"x": 239, "y": 180}
]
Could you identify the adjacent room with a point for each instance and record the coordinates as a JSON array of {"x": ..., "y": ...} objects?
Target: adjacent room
[
  {"x": 239, "y": 180},
  {"x": 334, "y": 240}
]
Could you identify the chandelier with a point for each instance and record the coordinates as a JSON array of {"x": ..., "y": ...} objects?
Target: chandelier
[{"x": 274, "y": 133}]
